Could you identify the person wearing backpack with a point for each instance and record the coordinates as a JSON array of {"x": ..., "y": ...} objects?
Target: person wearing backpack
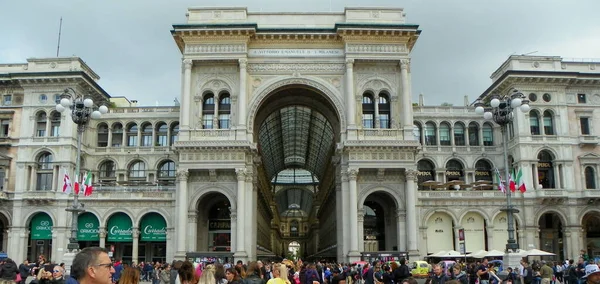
[
  {"x": 571, "y": 276},
  {"x": 527, "y": 273}
]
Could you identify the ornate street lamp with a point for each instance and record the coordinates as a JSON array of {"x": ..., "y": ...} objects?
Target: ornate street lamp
[
  {"x": 82, "y": 110},
  {"x": 501, "y": 109}
]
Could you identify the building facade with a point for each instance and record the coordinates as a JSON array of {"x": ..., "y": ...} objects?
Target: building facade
[{"x": 299, "y": 131}]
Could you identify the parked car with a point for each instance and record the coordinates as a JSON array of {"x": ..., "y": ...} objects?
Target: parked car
[
  {"x": 498, "y": 265},
  {"x": 447, "y": 266},
  {"x": 420, "y": 268}
]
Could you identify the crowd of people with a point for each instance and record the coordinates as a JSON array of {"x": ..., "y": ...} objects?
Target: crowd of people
[{"x": 94, "y": 266}]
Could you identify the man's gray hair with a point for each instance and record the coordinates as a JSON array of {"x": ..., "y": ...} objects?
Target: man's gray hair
[{"x": 84, "y": 259}]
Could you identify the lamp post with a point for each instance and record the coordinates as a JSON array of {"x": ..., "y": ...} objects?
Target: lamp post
[
  {"x": 82, "y": 110},
  {"x": 500, "y": 110}
]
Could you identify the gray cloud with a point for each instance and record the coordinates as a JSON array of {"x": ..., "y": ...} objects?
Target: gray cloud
[{"x": 129, "y": 45}]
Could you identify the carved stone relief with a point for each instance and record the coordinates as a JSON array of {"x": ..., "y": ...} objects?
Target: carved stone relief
[
  {"x": 215, "y": 48},
  {"x": 288, "y": 67}
]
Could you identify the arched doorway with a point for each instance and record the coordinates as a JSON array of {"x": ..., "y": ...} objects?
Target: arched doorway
[
  {"x": 214, "y": 227},
  {"x": 40, "y": 236},
  {"x": 88, "y": 231},
  {"x": 475, "y": 232},
  {"x": 500, "y": 232},
  {"x": 380, "y": 223},
  {"x": 153, "y": 238},
  {"x": 545, "y": 169},
  {"x": 440, "y": 233},
  {"x": 551, "y": 234},
  {"x": 3, "y": 232},
  {"x": 119, "y": 237},
  {"x": 591, "y": 233}
]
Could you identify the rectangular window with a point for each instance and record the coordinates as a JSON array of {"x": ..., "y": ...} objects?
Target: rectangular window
[
  {"x": 207, "y": 121},
  {"x": 384, "y": 121},
  {"x": 7, "y": 100},
  {"x": 146, "y": 140},
  {"x": 585, "y": 125},
  {"x": 54, "y": 130},
  {"x": 5, "y": 128},
  {"x": 548, "y": 127},
  {"x": 430, "y": 138},
  {"x": 488, "y": 137},
  {"x": 459, "y": 136},
  {"x": 444, "y": 136},
  {"x": 44, "y": 181},
  {"x": 368, "y": 120},
  {"x": 473, "y": 136},
  {"x": 534, "y": 125},
  {"x": 132, "y": 141},
  {"x": 581, "y": 98},
  {"x": 161, "y": 140},
  {"x": 224, "y": 121}
]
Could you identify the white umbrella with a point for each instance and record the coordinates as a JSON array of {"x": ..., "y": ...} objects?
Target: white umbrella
[
  {"x": 451, "y": 254},
  {"x": 478, "y": 254},
  {"x": 537, "y": 252},
  {"x": 438, "y": 254},
  {"x": 495, "y": 253}
]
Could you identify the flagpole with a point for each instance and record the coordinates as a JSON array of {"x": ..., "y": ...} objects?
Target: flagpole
[{"x": 511, "y": 244}]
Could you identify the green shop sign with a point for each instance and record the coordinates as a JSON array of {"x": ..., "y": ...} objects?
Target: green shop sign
[
  {"x": 120, "y": 228},
  {"x": 88, "y": 227},
  {"x": 153, "y": 228},
  {"x": 41, "y": 227}
]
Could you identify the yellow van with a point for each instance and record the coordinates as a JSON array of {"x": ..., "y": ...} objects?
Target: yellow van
[{"x": 420, "y": 268}]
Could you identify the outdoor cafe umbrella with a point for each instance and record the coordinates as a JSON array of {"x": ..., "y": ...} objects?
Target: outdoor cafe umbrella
[
  {"x": 494, "y": 253},
  {"x": 478, "y": 254},
  {"x": 537, "y": 252},
  {"x": 451, "y": 254}
]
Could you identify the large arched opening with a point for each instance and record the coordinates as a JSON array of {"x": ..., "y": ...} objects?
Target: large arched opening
[
  {"x": 214, "y": 239},
  {"x": 551, "y": 229},
  {"x": 296, "y": 128},
  {"x": 380, "y": 223}
]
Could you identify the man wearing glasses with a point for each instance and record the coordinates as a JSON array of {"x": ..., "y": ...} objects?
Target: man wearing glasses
[
  {"x": 58, "y": 275},
  {"x": 92, "y": 266}
]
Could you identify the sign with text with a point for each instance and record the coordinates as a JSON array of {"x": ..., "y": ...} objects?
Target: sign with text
[
  {"x": 216, "y": 225},
  {"x": 88, "y": 227},
  {"x": 295, "y": 52},
  {"x": 120, "y": 228},
  {"x": 41, "y": 227},
  {"x": 153, "y": 228}
]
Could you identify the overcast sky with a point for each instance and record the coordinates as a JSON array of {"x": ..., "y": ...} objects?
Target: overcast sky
[{"x": 128, "y": 43}]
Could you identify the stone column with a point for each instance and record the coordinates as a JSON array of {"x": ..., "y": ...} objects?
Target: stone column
[
  {"x": 353, "y": 255},
  {"x": 199, "y": 124},
  {"x": 411, "y": 208},
  {"x": 242, "y": 95},
  {"x": 233, "y": 217},
  {"x": 350, "y": 103},
  {"x": 536, "y": 180},
  {"x": 55, "y": 173},
  {"x": 376, "y": 118},
  {"x": 557, "y": 182},
  {"x": 346, "y": 214},
  {"x": 216, "y": 113},
  {"x": 102, "y": 234},
  {"x": 185, "y": 96},
  {"x": 136, "y": 244},
  {"x": 240, "y": 252},
  {"x": 182, "y": 178},
  {"x": 109, "y": 144},
  {"x": 401, "y": 229},
  {"x": 32, "y": 183},
  {"x": 361, "y": 229},
  {"x": 407, "y": 116},
  {"x": 192, "y": 231},
  {"x": 339, "y": 211}
]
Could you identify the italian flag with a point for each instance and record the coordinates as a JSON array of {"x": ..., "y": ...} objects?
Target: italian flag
[
  {"x": 87, "y": 184},
  {"x": 517, "y": 182}
]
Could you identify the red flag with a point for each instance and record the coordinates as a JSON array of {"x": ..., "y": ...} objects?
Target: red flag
[{"x": 76, "y": 187}]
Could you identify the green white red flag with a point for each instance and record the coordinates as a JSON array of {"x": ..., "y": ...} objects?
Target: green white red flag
[{"x": 87, "y": 184}]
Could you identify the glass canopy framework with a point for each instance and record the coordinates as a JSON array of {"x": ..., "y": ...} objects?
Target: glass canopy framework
[{"x": 296, "y": 143}]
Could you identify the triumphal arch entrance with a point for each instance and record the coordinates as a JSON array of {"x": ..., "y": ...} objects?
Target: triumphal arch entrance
[{"x": 296, "y": 135}]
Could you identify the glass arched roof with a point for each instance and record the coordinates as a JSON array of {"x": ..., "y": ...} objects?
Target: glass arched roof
[
  {"x": 295, "y": 137},
  {"x": 295, "y": 176}
]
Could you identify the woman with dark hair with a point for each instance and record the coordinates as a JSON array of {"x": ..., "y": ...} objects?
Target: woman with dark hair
[
  {"x": 9, "y": 270},
  {"x": 253, "y": 274},
  {"x": 220, "y": 274},
  {"x": 232, "y": 276},
  {"x": 186, "y": 273},
  {"x": 402, "y": 272}
]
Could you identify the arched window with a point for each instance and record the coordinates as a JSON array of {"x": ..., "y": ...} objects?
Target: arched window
[
  {"x": 384, "y": 110},
  {"x": 368, "y": 111},
  {"x": 224, "y": 111},
  {"x": 488, "y": 135},
  {"x": 117, "y": 135},
  {"x": 483, "y": 171},
  {"x": 102, "y": 135},
  {"x": 161, "y": 134},
  {"x": 166, "y": 170},
  {"x": 545, "y": 169},
  {"x": 55, "y": 124},
  {"x": 174, "y": 132},
  {"x": 44, "y": 171},
  {"x": 534, "y": 122},
  {"x": 430, "y": 134},
  {"x": 459, "y": 134},
  {"x": 208, "y": 111},
  {"x": 132, "y": 135},
  {"x": 426, "y": 172},
  {"x": 444, "y": 134},
  {"x": 107, "y": 170},
  {"x": 590, "y": 178},
  {"x": 137, "y": 170},
  {"x": 294, "y": 228},
  {"x": 473, "y": 134},
  {"x": 417, "y": 130},
  {"x": 146, "y": 134},
  {"x": 548, "y": 123},
  {"x": 40, "y": 126},
  {"x": 57, "y": 98},
  {"x": 454, "y": 170}
]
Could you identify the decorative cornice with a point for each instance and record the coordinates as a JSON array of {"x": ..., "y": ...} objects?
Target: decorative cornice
[
  {"x": 376, "y": 48},
  {"x": 215, "y": 48}
]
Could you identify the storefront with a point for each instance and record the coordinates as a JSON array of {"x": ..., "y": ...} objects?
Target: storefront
[
  {"x": 40, "y": 238},
  {"x": 88, "y": 233},
  {"x": 119, "y": 236},
  {"x": 153, "y": 238}
]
